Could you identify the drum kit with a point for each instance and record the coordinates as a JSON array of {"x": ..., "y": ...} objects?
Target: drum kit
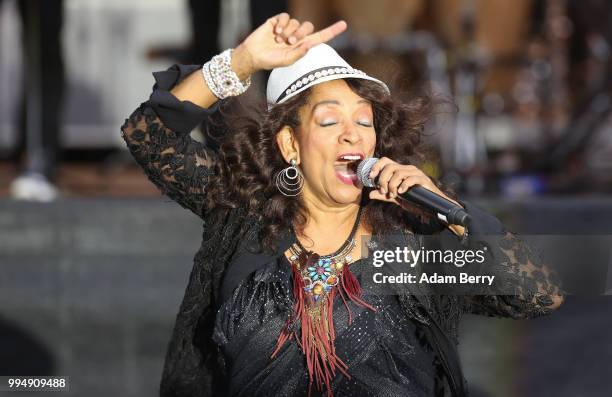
[{"x": 525, "y": 103}]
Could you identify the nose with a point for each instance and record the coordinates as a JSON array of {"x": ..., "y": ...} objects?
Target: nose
[{"x": 350, "y": 134}]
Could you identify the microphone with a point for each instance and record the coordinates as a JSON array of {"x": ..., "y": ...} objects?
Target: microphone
[{"x": 445, "y": 210}]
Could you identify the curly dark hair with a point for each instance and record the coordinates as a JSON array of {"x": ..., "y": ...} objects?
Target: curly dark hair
[{"x": 250, "y": 159}]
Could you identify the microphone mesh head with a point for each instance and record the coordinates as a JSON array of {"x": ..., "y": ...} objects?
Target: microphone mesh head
[{"x": 363, "y": 171}]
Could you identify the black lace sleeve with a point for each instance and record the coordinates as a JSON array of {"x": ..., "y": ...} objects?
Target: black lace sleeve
[
  {"x": 523, "y": 288},
  {"x": 157, "y": 135}
]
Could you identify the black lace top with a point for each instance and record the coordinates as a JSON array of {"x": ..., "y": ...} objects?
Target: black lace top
[{"x": 237, "y": 300}]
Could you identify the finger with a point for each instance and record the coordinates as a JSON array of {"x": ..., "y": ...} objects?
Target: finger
[
  {"x": 395, "y": 181},
  {"x": 377, "y": 195},
  {"x": 413, "y": 168},
  {"x": 385, "y": 176},
  {"x": 282, "y": 20},
  {"x": 296, "y": 53},
  {"x": 291, "y": 27},
  {"x": 326, "y": 34},
  {"x": 273, "y": 21},
  {"x": 406, "y": 184},
  {"x": 411, "y": 172},
  {"x": 378, "y": 166},
  {"x": 304, "y": 30},
  {"x": 425, "y": 181},
  {"x": 409, "y": 182},
  {"x": 404, "y": 171}
]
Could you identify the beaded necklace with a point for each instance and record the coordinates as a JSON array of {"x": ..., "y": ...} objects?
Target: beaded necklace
[
  {"x": 316, "y": 281},
  {"x": 322, "y": 273}
]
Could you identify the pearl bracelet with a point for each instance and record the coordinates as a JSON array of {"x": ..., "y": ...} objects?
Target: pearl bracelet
[{"x": 220, "y": 77}]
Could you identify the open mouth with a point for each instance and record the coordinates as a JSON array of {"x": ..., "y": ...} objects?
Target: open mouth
[{"x": 346, "y": 167}]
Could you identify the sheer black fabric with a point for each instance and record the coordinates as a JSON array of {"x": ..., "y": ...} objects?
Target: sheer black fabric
[{"x": 237, "y": 297}]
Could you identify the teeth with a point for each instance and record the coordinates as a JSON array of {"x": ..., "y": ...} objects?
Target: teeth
[{"x": 351, "y": 158}]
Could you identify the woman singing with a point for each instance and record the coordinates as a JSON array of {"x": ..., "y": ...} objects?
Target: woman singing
[{"x": 278, "y": 302}]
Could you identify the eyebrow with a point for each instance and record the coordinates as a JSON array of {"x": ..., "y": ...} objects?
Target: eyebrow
[{"x": 333, "y": 102}]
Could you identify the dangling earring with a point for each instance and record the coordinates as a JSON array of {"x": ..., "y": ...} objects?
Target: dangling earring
[{"x": 290, "y": 181}]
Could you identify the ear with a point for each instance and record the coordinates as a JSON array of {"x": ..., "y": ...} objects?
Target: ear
[{"x": 288, "y": 144}]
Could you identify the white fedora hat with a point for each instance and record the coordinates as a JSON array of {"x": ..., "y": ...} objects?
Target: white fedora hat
[{"x": 320, "y": 64}]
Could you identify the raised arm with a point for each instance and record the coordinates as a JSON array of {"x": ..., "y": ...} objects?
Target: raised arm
[{"x": 157, "y": 133}]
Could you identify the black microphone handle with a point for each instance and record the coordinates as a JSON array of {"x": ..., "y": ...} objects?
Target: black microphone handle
[{"x": 446, "y": 210}]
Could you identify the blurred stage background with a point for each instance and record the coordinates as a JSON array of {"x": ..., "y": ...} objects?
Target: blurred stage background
[{"x": 89, "y": 283}]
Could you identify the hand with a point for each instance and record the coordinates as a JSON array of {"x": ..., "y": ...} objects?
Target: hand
[
  {"x": 280, "y": 41},
  {"x": 394, "y": 179}
]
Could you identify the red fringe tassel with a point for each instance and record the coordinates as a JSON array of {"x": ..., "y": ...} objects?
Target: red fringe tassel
[{"x": 318, "y": 335}]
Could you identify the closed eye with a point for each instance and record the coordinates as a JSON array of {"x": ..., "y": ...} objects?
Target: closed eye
[
  {"x": 364, "y": 123},
  {"x": 327, "y": 123}
]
